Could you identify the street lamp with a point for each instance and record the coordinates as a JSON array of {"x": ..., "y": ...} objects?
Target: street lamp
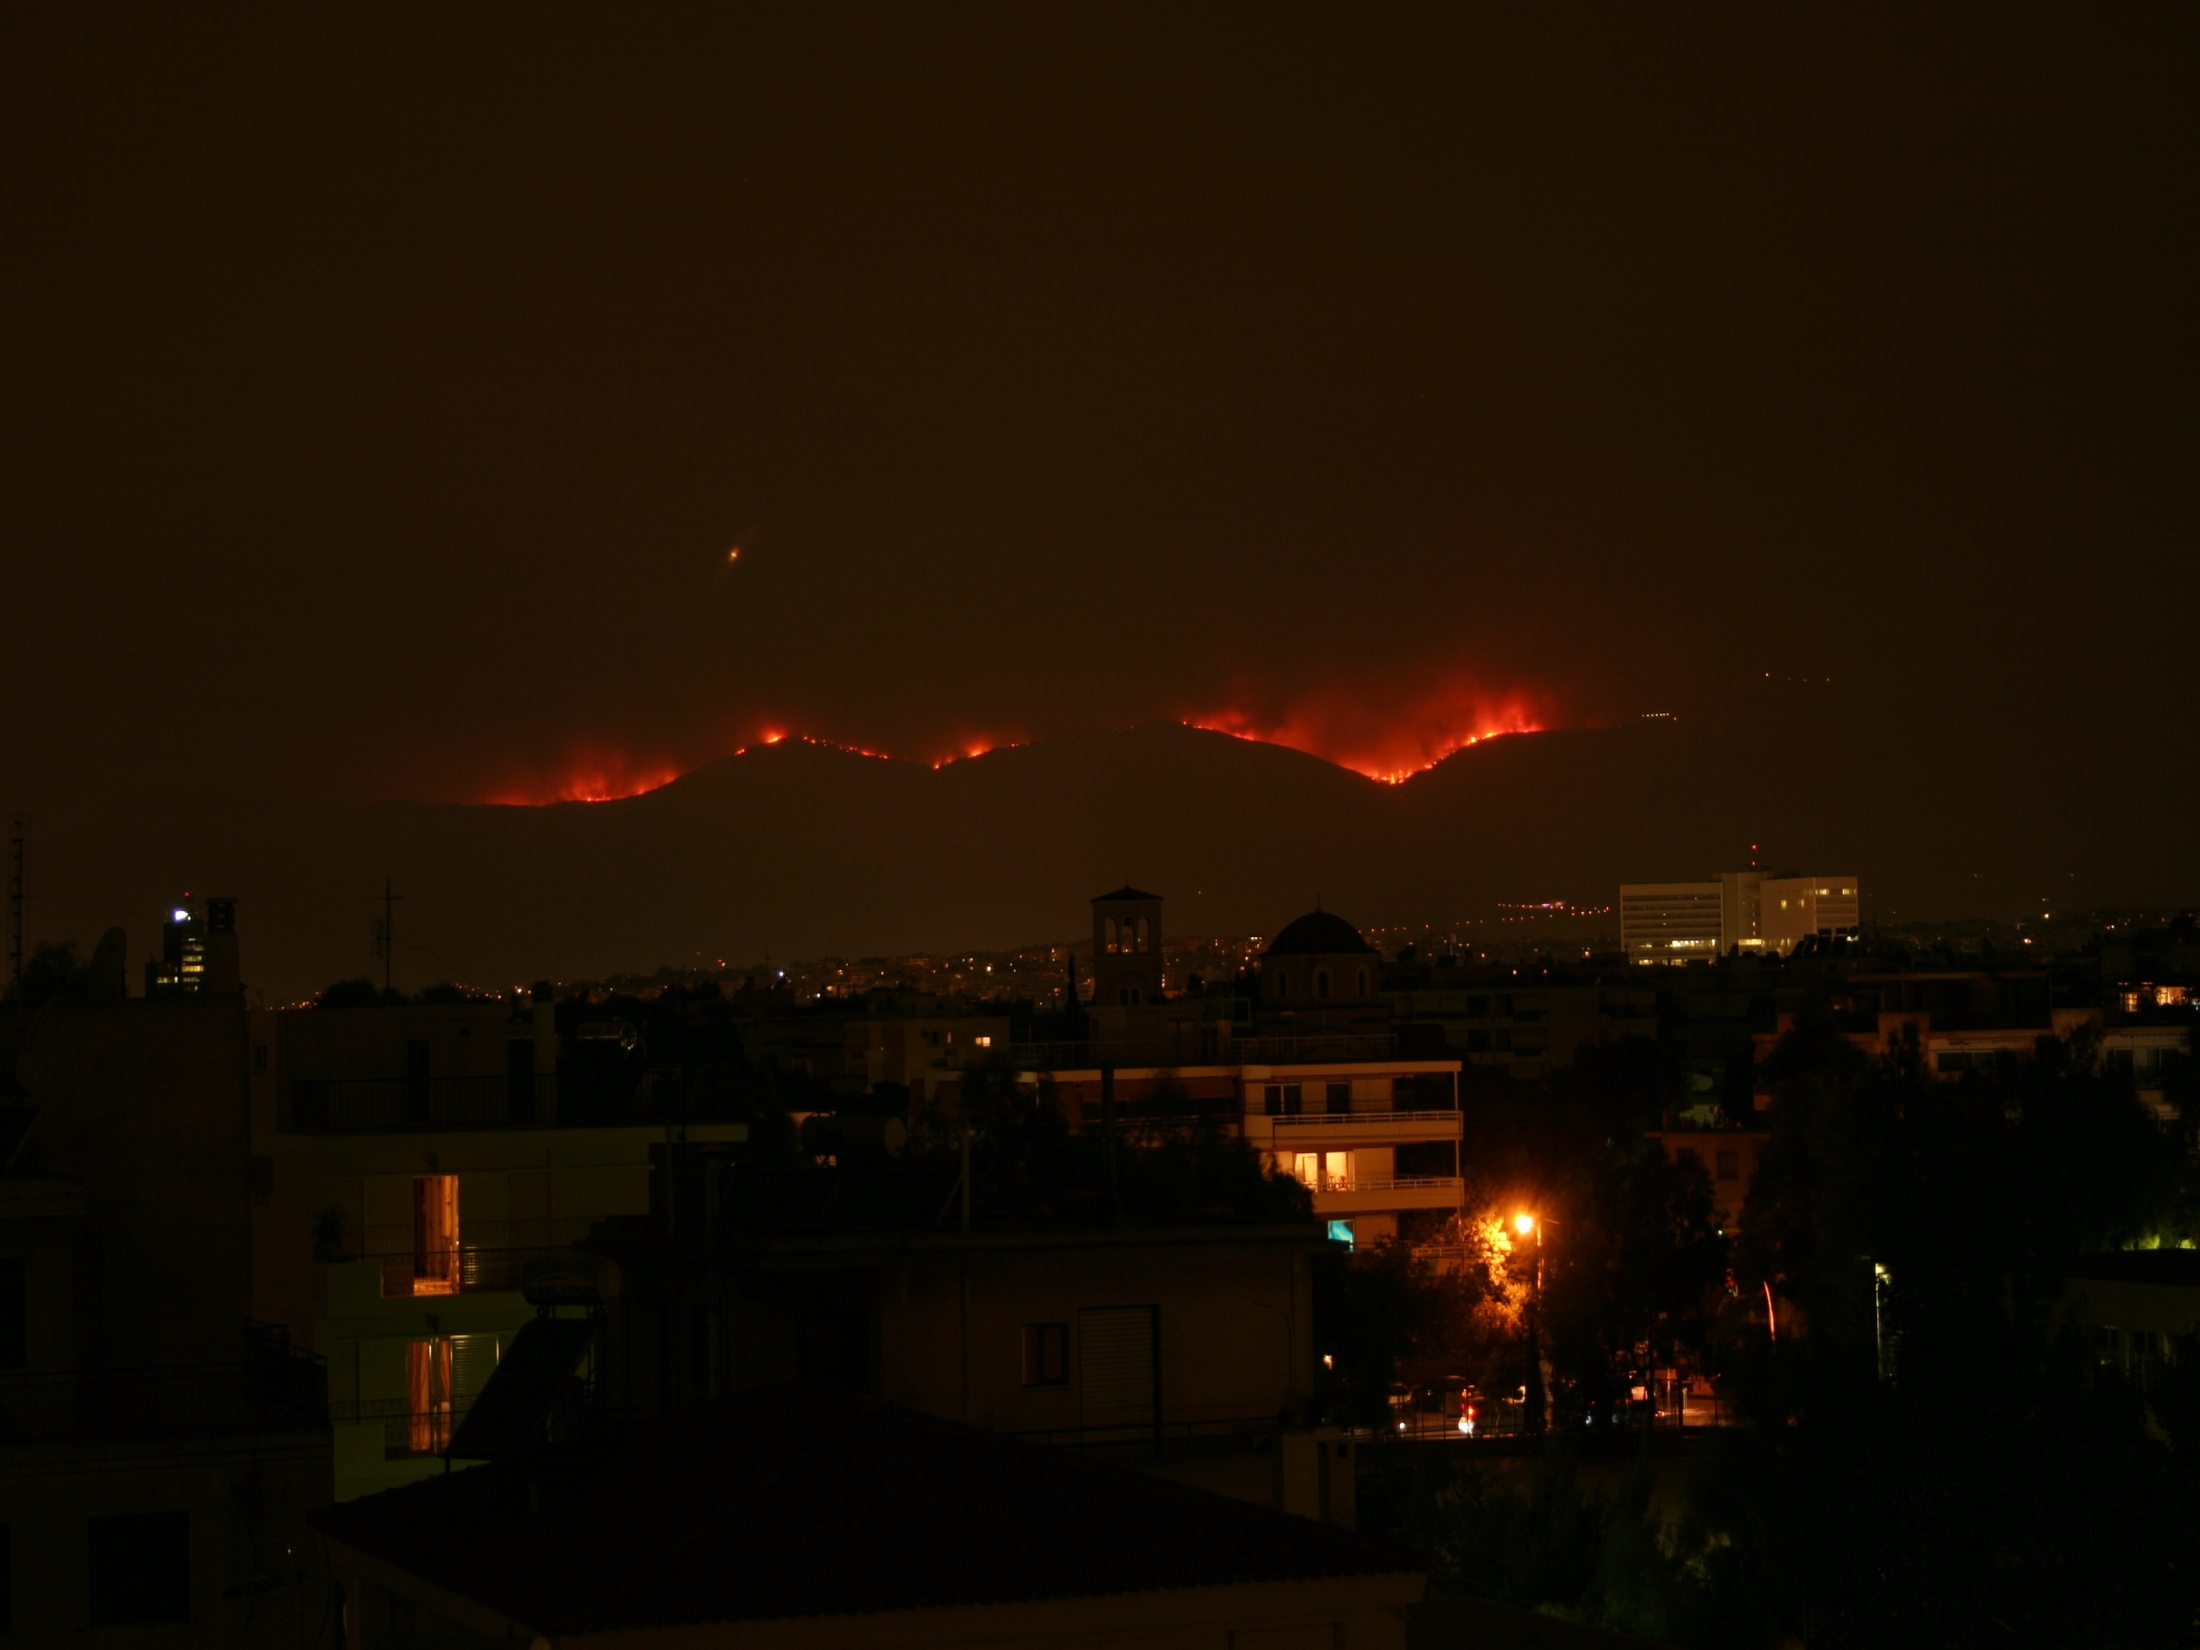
[{"x": 1525, "y": 1223}]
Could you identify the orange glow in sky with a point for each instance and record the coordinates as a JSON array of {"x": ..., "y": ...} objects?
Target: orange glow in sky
[
  {"x": 976, "y": 745},
  {"x": 590, "y": 776},
  {"x": 1390, "y": 738}
]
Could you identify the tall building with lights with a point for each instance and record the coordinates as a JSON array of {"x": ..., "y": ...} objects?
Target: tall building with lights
[
  {"x": 1798, "y": 908},
  {"x": 1746, "y": 911},
  {"x": 198, "y": 951}
]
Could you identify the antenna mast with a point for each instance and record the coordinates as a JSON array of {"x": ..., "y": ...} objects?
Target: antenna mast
[
  {"x": 15, "y": 902},
  {"x": 385, "y": 939}
]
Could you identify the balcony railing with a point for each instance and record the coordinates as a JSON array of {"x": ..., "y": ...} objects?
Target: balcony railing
[
  {"x": 467, "y": 1270},
  {"x": 318, "y": 1105},
  {"x": 388, "y": 1237},
  {"x": 1349, "y": 1122},
  {"x": 1346, "y": 1194},
  {"x": 1318, "y": 1048},
  {"x": 407, "y": 1433},
  {"x": 277, "y": 1390}
]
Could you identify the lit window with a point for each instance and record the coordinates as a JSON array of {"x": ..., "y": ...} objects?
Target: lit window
[
  {"x": 428, "y": 1391},
  {"x": 984, "y": 1042},
  {"x": 435, "y": 1234},
  {"x": 1110, "y": 932}
]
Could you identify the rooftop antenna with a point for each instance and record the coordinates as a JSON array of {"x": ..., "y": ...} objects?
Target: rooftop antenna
[
  {"x": 15, "y": 902},
  {"x": 385, "y": 939}
]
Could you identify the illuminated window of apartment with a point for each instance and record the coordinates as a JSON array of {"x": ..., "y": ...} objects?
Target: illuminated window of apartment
[
  {"x": 435, "y": 1234},
  {"x": 428, "y": 1391},
  {"x": 138, "y": 1568},
  {"x": 984, "y": 1042},
  {"x": 1046, "y": 1354},
  {"x": 1324, "y": 1171}
]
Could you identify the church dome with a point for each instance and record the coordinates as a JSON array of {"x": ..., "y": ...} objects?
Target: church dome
[{"x": 1318, "y": 934}]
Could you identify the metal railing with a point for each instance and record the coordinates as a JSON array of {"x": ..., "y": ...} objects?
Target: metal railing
[
  {"x": 407, "y": 1433},
  {"x": 1353, "y": 1119},
  {"x": 467, "y": 1270},
  {"x": 278, "y": 1390},
  {"x": 1309, "y": 1049},
  {"x": 337, "y": 1105},
  {"x": 1397, "y": 1183},
  {"x": 390, "y": 1237}
]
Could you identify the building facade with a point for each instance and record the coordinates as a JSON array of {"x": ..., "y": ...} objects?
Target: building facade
[
  {"x": 159, "y": 1450},
  {"x": 412, "y": 1164},
  {"x": 1735, "y": 912}
]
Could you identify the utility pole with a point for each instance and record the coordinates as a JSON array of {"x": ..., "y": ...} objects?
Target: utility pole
[
  {"x": 15, "y": 902},
  {"x": 386, "y": 940}
]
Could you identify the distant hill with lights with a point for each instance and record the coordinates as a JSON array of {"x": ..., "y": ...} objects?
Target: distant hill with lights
[{"x": 800, "y": 850}]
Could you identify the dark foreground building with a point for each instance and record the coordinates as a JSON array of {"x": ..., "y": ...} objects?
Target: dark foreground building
[{"x": 796, "y": 1518}]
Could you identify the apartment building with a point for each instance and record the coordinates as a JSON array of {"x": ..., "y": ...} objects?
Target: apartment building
[
  {"x": 1736, "y": 911},
  {"x": 412, "y": 1166},
  {"x": 158, "y": 1448}
]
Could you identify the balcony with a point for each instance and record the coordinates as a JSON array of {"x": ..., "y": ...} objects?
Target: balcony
[
  {"x": 1330, "y": 1048},
  {"x": 275, "y": 1390},
  {"x": 1336, "y": 1131},
  {"x": 1365, "y": 1197},
  {"x": 407, "y": 1434},
  {"x": 468, "y": 1269},
  {"x": 559, "y": 1099}
]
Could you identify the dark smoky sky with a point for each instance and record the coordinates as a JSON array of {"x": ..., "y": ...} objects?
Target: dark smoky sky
[{"x": 384, "y": 387}]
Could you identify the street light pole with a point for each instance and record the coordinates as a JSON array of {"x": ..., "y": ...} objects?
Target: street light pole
[{"x": 1537, "y": 1421}]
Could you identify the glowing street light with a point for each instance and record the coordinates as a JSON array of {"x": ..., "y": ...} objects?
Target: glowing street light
[{"x": 1533, "y": 1396}]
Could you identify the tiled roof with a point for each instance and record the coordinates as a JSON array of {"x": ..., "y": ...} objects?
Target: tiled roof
[{"x": 790, "y": 1503}]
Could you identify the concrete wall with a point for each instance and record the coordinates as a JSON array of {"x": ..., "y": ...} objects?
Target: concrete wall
[{"x": 145, "y": 1101}]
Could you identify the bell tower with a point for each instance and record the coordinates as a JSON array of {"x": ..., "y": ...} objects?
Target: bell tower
[{"x": 1126, "y": 949}]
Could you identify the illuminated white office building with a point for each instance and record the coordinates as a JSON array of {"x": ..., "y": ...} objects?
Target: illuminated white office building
[{"x": 1744, "y": 911}]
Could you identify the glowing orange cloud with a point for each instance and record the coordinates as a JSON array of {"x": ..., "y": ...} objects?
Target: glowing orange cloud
[{"x": 1390, "y": 738}]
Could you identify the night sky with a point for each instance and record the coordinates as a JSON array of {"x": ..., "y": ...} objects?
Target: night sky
[{"x": 385, "y": 388}]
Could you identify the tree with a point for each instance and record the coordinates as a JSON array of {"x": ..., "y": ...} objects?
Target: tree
[{"x": 53, "y": 970}]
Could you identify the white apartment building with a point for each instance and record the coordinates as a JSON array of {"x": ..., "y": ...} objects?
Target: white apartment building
[{"x": 1678, "y": 922}]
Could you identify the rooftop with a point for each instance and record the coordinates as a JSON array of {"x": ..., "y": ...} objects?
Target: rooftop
[
  {"x": 788, "y": 1503},
  {"x": 1319, "y": 934}
]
